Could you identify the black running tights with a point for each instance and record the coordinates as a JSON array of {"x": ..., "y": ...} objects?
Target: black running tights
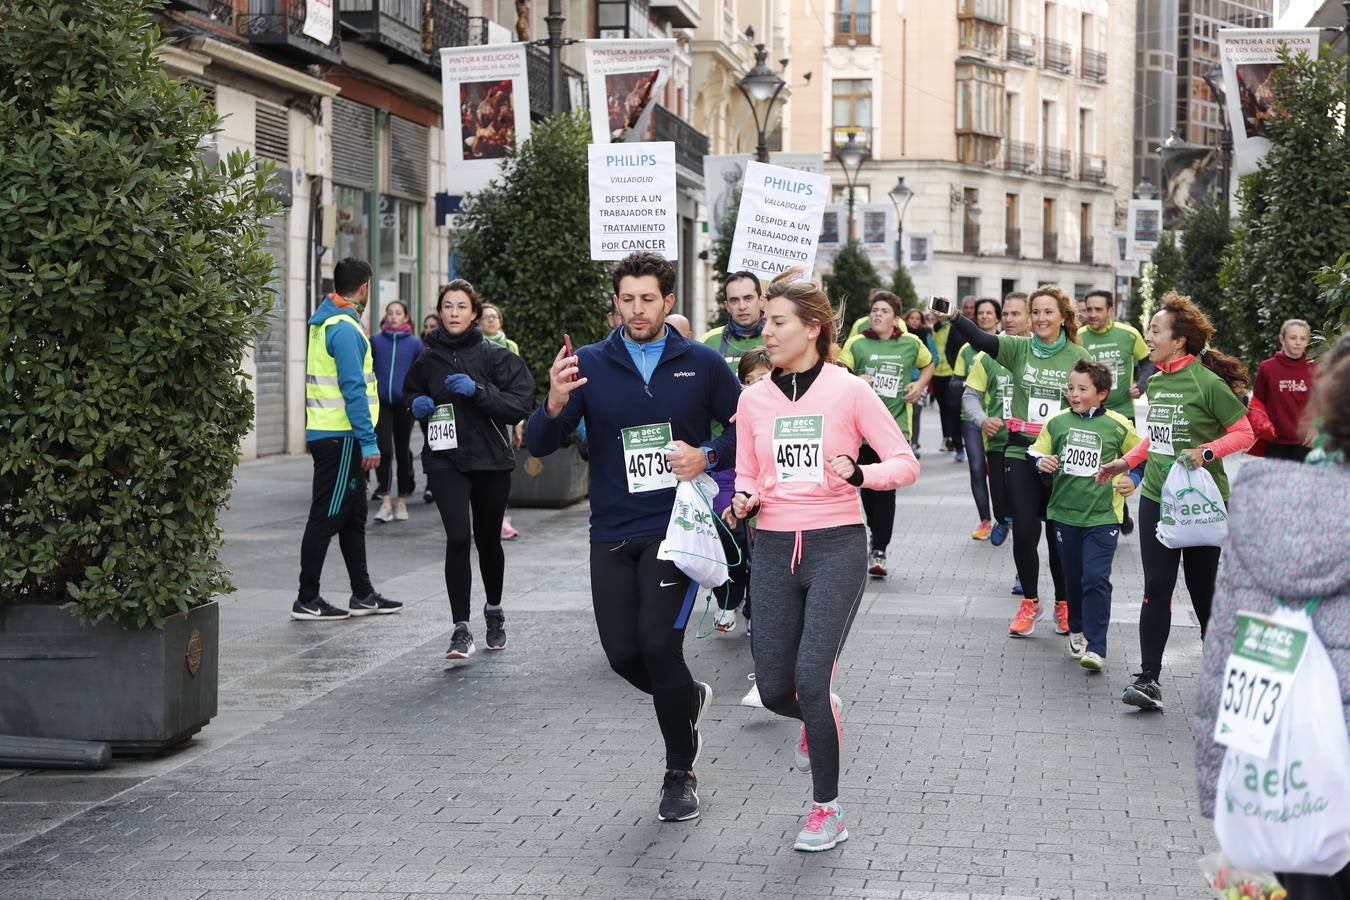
[
  {"x": 1027, "y": 497},
  {"x": 471, "y": 505},
  {"x": 1160, "y": 580}
]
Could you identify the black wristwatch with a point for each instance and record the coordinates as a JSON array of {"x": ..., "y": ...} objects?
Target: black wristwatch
[{"x": 1207, "y": 454}]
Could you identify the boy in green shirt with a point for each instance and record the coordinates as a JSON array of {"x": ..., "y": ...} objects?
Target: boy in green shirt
[{"x": 1085, "y": 510}]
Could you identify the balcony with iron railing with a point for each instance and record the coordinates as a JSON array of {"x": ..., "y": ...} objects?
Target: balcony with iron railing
[
  {"x": 1020, "y": 48},
  {"x": 691, "y": 145},
  {"x": 1019, "y": 156},
  {"x": 280, "y": 25},
  {"x": 1058, "y": 163},
  {"x": 1085, "y": 250},
  {"x": 1050, "y": 246},
  {"x": 536, "y": 69},
  {"x": 1092, "y": 169},
  {"x": 1057, "y": 56},
  {"x": 1094, "y": 65},
  {"x": 404, "y": 30},
  {"x": 1012, "y": 242}
]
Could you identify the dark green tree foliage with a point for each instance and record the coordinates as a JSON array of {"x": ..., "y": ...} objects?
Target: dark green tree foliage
[
  {"x": 1295, "y": 211},
  {"x": 131, "y": 286},
  {"x": 902, "y": 286},
  {"x": 851, "y": 279},
  {"x": 524, "y": 243},
  {"x": 726, "y": 233},
  {"x": 1333, "y": 284},
  {"x": 1206, "y": 234}
]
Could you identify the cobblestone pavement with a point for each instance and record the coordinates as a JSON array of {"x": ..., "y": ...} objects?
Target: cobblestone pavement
[{"x": 348, "y": 760}]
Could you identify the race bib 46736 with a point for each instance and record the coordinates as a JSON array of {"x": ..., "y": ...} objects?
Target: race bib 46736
[{"x": 644, "y": 458}]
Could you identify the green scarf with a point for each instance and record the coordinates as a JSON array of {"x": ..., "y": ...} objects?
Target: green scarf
[{"x": 1044, "y": 350}]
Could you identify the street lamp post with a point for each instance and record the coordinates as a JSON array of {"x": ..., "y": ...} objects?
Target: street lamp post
[
  {"x": 759, "y": 85},
  {"x": 1214, "y": 79},
  {"x": 851, "y": 157},
  {"x": 900, "y": 196}
]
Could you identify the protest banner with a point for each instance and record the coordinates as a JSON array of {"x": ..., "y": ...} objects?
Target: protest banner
[
  {"x": 623, "y": 80},
  {"x": 633, "y": 200},
  {"x": 778, "y": 225},
  {"x": 318, "y": 21},
  {"x": 485, "y": 96}
]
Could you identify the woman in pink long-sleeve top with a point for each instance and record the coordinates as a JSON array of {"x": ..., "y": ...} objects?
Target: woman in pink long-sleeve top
[{"x": 797, "y": 438}]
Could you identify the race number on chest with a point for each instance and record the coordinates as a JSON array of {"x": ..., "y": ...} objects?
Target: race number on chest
[
  {"x": 798, "y": 449},
  {"x": 1082, "y": 454},
  {"x": 886, "y": 382},
  {"x": 1159, "y": 428},
  {"x": 644, "y": 458},
  {"x": 1257, "y": 679},
  {"x": 441, "y": 433},
  {"x": 1041, "y": 407}
]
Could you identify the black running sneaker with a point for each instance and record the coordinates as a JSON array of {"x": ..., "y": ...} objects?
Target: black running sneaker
[
  {"x": 496, "y": 629},
  {"x": 1143, "y": 693},
  {"x": 461, "y": 643},
  {"x": 317, "y": 610},
  {"x": 679, "y": 797},
  {"x": 374, "y": 605}
]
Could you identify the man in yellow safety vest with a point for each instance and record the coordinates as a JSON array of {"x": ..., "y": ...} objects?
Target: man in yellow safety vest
[{"x": 341, "y": 408}]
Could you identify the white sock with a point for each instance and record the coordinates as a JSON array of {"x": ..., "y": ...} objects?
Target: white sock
[{"x": 830, "y": 804}]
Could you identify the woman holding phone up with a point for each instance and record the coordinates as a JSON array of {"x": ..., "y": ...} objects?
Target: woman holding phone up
[
  {"x": 1040, "y": 366},
  {"x": 799, "y": 433}
]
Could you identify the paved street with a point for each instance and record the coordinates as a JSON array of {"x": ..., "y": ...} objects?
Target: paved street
[{"x": 348, "y": 761}]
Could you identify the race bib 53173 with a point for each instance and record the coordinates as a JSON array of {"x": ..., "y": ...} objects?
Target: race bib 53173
[{"x": 1257, "y": 679}]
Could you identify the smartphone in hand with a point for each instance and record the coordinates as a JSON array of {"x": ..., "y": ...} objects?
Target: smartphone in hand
[
  {"x": 567, "y": 349},
  {"x": 940, "y": 305}
]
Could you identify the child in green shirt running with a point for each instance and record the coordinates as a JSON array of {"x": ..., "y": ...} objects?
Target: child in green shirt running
[{"x": 1085, "y": 516}]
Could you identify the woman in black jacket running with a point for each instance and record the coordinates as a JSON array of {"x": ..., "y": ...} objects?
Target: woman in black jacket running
[{"x": 471, "y": 392}]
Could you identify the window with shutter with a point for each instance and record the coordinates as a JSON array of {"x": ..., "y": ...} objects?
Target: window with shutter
[
  {"x": 408, "y": 160},
  {"x": 353, "y": 135},
  {"x": 272, "y": 133}
]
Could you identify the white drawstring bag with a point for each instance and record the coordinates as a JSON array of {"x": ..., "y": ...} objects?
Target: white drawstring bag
[
  {"x": 691, "y": 537},
  {"x": 1289, "y": 809},
  {"x": 1192, "y": 512}
]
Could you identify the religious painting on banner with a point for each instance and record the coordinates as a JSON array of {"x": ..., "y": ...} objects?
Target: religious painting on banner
[
  {"x": 1144, "y": 227},
  {"x": 1249, "y": 57},
  {"x": 624, "y": 80},
  {"x": 485, "y": 96},
  {"x": 722, "y": 180},
  {"x": 1188, "y": 175}
]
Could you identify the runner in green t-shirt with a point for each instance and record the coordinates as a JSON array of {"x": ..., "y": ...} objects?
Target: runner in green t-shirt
[
  {"x": 883, "y": 355},
  {"x": 1194, "y": 418},
  {"x": 1121, "y": 348},
  {"x": 987, "y": 402},
  {"x": 1084, "y": 514},
  {"x": 988, "y": 312},
  {"x": 745, "y": 318},
  {"x": 1039, "y": 366}
]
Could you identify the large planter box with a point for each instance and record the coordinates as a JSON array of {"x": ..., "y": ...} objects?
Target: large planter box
[
  {"x": 143, "y": 691},
  {"x": 557, "y": 480}
]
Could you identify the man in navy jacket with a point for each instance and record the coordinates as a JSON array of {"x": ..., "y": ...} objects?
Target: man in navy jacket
[{"x": 643, "y": 388}]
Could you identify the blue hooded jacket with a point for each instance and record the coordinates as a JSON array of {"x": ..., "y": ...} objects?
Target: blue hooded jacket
[
  {"x": 348, "y": 349},
  {"x": 690, "y": 386},
  {"x": 395, "y": 352}
]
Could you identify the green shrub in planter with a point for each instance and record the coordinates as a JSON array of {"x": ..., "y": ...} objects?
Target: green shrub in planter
[
  {"x": 131, "y": 285},
  {"x": 524, "y": 242}
]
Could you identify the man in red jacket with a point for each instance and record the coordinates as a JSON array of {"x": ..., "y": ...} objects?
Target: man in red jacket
[{"x": 1283, "y": 385}]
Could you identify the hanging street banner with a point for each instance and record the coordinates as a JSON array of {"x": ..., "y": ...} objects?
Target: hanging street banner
[
  {"x": 318, "y": 20},
  {"x": 1249, "y": 57},
  {"x": 623, "y": 80},
  {"x": 485, "y": 89},
  {"x": 918, "y": 251},
  {"x": 722, "y": 180},
  {"x": 1144, "y": 228},
  {"x": 1189, "y": 174},
  {"x": 633, "y": 200},
  {"x": 778, "y": 225}
]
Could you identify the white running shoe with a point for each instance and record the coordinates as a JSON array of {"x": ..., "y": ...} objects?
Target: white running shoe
[
  {"x": 1077, "y": 645},
  {"x": 751, "y": 697},
  {"x": 725, "y": 621},
  {"x": 824, "y": 829}
]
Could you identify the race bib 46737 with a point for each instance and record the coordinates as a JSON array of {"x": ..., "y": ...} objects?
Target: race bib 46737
[{"x": 798, "y": 448}]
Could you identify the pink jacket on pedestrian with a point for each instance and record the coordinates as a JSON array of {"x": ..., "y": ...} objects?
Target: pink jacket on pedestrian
[{"x": 852, "y": 412}]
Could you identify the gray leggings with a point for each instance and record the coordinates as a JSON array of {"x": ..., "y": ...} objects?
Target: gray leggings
[{"x": 800, "y": 630}]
